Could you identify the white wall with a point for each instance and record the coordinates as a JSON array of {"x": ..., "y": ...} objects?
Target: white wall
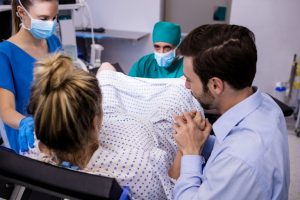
[
  {"x": 129, "y": 15},
  {"x": 125, "y": 52},
  {"x": 193, "y": 13},
  {"x": 276, "y": 24},
  {"x": 135, "y": 15}
]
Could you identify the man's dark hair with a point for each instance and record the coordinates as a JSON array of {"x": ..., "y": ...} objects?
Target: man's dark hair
[{"x": 224, "y": 51}]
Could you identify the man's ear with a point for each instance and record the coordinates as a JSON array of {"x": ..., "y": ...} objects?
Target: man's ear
[{"x": 216, "y": 85}]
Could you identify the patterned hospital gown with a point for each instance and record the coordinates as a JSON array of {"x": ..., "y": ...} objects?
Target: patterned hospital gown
[{"x": 136, "y": 142}]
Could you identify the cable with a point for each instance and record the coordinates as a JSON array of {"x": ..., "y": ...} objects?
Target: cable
[
  {"x": 86, "y": 5},
  {"x": 96, "y": 49}
]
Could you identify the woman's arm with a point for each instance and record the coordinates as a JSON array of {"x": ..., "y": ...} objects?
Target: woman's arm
[
  {"x": 8, "y": 113},
  {"x": 174, "y": 171}
]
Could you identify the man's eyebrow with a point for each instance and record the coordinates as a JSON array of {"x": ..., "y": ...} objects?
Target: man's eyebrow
[{"x": 166, "y": 46}]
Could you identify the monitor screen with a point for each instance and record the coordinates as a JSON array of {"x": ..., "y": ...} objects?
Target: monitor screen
[
  {"x": 5, "y": 2},
  {"x": 5, "y": 24},
  {"x": 67, "y": 1}
]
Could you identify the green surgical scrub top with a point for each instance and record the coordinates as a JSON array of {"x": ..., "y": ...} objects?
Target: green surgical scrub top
[{"x": 147, "y": 67}]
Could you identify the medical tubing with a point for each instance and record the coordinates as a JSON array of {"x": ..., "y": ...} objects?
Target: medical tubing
[{"x": 91, "y": 21}]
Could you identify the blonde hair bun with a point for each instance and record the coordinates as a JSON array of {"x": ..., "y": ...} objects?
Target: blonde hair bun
[
  {"x": 53, "y": 72},
  {"x": 64, "y": 102}
]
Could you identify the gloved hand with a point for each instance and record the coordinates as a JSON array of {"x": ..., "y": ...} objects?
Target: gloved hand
[{"x": 26, "y": 128}]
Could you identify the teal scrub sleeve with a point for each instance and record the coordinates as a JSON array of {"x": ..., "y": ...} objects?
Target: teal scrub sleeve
[
  {"x": 138, "y": 69},
  {"x": 134, "y": 71},
  {"x": 6, "y": 75}
]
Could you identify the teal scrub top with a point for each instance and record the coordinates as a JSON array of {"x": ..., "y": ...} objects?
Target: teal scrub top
[
  {"x": 16, "y": 75},
  {"x": 147, "y": 67}
]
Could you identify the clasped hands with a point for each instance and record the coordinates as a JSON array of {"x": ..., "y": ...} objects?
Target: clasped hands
[{"x": 191, "y": 132}]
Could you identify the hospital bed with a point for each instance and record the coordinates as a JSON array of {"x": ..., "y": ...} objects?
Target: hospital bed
[{"x": 47, "y": 181}]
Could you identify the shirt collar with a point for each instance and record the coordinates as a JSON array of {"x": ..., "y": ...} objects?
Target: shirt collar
[{"x": 237, "y": 113}]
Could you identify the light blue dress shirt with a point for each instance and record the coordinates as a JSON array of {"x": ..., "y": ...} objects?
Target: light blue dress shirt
[{"x": 250, "y": 158}]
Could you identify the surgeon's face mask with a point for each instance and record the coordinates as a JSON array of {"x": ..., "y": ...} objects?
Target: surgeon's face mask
[
  {"x": 40, "y": 29},
  {"x": 165, "y": 59}
]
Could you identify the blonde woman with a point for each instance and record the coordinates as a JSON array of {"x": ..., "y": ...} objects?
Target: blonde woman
[{"x": 66, "y": 104}]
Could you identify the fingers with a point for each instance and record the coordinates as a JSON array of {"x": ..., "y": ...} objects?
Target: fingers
[
  {"x": 207, "y": 128},
  {"x": 191, "y": 132},
  {"x": 26, "y": 136},
  {"x": 176, "y": 128},
  {"x": 188, "y": 116},
  {"x": 30, "y": 122},
  {"x": 29, "y": 133},
  {"x": 195, "y": 117},
  {"x": 207, "y": 124},
  {"x": 179, "y": 120},
  {"x": 22, "y": 141},
  {"x": 30, "y": 138},
  {"x": 199, "y": 120}
]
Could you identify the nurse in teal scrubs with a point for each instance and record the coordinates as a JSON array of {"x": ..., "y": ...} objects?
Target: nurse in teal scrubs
[
  {"x": 34, "y": 23},
  {"x": 163, "y": 63}
]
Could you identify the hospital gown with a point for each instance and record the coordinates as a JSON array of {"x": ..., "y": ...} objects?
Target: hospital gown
[{"x": 136, "y": 141}]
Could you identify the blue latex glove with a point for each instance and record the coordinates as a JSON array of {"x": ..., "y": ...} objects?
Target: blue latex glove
[{"x": 25, "y": 137}]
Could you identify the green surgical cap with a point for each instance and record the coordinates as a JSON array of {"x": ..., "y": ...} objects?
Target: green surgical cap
[{"x": 166, "y": 32}]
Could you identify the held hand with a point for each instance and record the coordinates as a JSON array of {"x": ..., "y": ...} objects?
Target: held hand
[
  {"x": 26, "y": 128},
  {"x": 191, "y": 132},
  {"x": 198, "y": 119}
]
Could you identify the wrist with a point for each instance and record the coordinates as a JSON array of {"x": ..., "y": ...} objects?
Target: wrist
[
  {"x": 21, "y": 122},
  {"x": 190, "y": 152}
]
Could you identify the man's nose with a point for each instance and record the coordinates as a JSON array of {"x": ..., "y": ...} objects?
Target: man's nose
[{"x": 160, "y": 50}]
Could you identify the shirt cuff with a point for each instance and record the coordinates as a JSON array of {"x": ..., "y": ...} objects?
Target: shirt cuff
[{"x": 191, "y": 164}]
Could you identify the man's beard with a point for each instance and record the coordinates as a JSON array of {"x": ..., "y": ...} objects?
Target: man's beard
[{"x": 207, "y": 104}]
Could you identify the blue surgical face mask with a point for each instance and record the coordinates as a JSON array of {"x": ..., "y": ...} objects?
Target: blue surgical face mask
[
  {"x": 165, "y": 59},
  {"x": 40, "y": 29}
]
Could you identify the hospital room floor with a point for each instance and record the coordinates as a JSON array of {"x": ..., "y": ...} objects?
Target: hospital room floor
[{"x": 294, "y": 147}]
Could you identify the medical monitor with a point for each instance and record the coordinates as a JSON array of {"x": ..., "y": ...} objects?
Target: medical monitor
[
  {"x": 67, "y": 1},
  {"x": 5, "y": 24}
]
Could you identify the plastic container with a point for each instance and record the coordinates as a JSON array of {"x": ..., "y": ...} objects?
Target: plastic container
[
  {"x": 280, "y": 91},
  {"x": 95, "y": 59}
]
